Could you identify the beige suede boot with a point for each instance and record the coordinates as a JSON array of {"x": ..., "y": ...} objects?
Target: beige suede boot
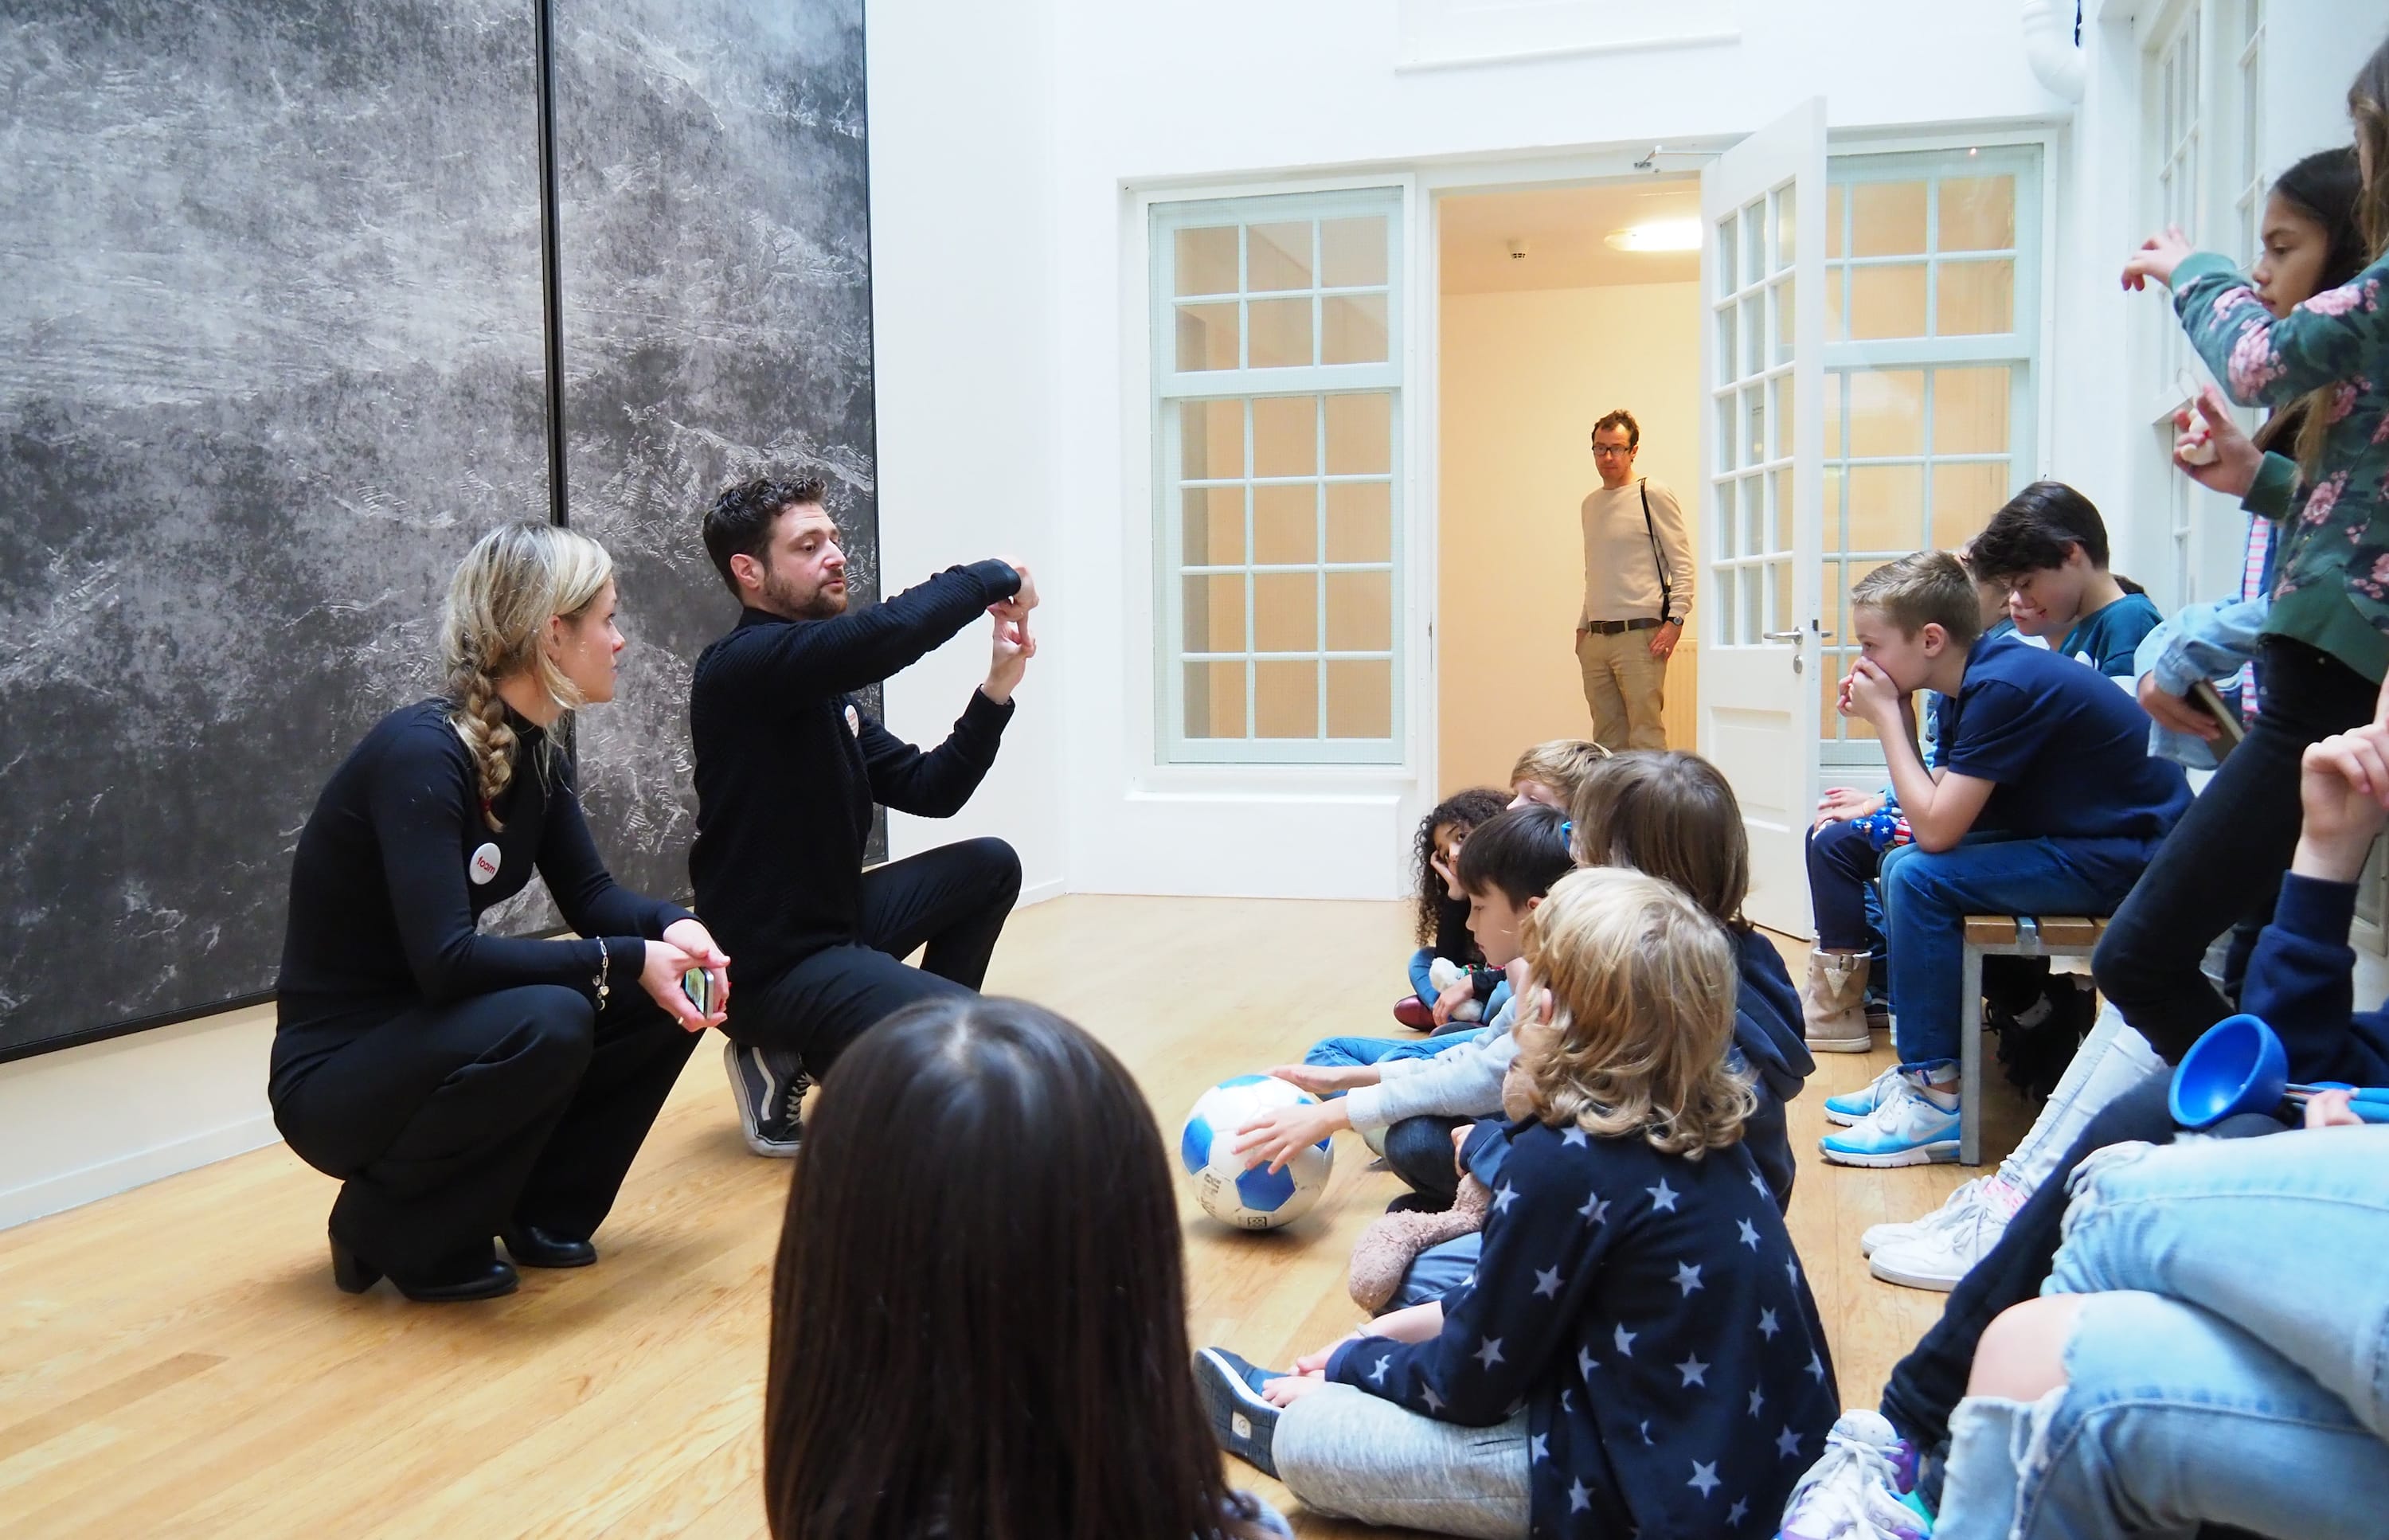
[{"x": 1833, "y": 1003}]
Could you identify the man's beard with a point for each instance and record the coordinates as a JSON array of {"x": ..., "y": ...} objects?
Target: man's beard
[{"x": 802, "y": 603}]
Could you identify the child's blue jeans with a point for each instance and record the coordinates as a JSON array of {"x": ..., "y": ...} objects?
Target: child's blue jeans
[
  {"x": 1345, "y": 1052},
  {"x": 1927, "y": 895},
  {"x": 2231, "y": 1366}
]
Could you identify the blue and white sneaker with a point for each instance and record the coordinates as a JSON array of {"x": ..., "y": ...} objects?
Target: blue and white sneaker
[
  {"x": 1915, "y": 1124},
  {"x": 1858, "y": 1105},
  {"x": 1242, "y": 1422},
  {"x": 769, "y": 1086}
]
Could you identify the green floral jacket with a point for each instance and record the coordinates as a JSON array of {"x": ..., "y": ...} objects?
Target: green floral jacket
[{"x": 2332, "y": 586}]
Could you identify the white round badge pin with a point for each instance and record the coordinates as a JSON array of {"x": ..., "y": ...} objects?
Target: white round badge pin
[{"x": 484, "y": 864}]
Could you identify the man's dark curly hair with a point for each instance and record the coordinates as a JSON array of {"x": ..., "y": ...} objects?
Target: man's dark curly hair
[{"x": 739, "y": 523}]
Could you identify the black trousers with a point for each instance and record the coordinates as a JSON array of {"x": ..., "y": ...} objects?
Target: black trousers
[
  {"x": 2223, "y": 862},
  {"x": 953, "y": 900},
  {"x": 1927, "y": 1385},
  {"x": 1419, "y": 1150},
  {"x": 446, "y": 1122}
]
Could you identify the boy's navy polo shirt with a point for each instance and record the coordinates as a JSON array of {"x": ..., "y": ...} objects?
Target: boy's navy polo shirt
[{"x": 2067, "y": 749}]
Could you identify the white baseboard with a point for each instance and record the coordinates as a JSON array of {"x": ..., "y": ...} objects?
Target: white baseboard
[
  {"x": 122, "y": 1173},
  {"x": 1037, "y": 893},
  {"x": 84, "y": 1123}
]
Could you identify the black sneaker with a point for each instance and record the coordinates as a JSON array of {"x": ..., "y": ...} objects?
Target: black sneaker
[
  {"x": 1241, "y": 1419},
  {"x": 769, "y": 1087}
]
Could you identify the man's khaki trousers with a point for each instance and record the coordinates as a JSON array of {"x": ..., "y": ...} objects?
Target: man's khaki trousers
[{"x": 1626, "y": 687}]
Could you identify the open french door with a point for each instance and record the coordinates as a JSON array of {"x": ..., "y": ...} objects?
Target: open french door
[{"x": 1762, "y": 274}]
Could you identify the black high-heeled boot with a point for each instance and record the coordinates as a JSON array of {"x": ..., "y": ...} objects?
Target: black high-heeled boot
[
  {"x": 534, "y": 1247},
  {"x": 485, "y": 1278}
]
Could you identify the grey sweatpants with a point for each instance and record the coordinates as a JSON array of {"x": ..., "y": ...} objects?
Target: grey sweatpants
[{"x": 1350, "y": 1455}]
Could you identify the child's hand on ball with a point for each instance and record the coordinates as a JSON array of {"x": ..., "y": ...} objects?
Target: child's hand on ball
[{"x": 1280, "y": 1137}]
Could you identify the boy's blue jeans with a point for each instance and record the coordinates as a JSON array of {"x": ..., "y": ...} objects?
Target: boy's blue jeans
[
  {"x": 2231, "y": 1366},
  {"x": 1343, "y": 1052},
  {"x": 1927, "y": 895}
]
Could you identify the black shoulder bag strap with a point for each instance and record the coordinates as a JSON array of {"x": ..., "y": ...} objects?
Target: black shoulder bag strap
[{"x": 1658, "y": 557}]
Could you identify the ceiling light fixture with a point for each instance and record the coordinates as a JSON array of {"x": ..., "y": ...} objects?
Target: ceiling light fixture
[{"x": 1659, "y": 235}]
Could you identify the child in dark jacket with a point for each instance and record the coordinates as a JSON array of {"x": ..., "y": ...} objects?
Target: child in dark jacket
[
  {"x": 1673, "y": 815},
  {"x": 1638, "y": 1350}
]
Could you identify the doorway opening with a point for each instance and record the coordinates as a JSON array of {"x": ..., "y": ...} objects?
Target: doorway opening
[{"x": 1556, "y": 304}]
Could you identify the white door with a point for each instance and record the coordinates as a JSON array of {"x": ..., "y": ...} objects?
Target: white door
[{"x": 1762, "y": 269}]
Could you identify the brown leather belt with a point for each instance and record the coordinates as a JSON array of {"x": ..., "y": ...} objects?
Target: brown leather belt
[{"x": 1611, "y": 628}]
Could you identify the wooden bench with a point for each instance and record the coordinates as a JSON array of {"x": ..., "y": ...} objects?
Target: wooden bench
[{"x": 2003, "y": 936}]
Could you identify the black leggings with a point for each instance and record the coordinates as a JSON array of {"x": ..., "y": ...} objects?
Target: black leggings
[
  {"x": 2223, "y": 862},
  {"x": 953, "y": 900},
  {"x": 445, "y": 1124}
]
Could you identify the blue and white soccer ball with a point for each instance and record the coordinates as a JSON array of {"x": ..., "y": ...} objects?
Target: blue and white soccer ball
[{"x": 1258, "y": 1199}]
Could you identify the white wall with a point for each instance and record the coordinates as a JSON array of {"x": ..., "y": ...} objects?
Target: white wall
[
  {"x": 1150, "y": 96},
  {"x": 1524, "y": 374},
  {"x": 962, "y": 298}
]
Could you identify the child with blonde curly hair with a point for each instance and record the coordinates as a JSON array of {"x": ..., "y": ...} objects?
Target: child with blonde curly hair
[{"x": 1639, "y": 1349}]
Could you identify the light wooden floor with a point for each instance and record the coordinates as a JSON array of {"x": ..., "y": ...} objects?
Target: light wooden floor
[{"x": 174, "y": 1361}]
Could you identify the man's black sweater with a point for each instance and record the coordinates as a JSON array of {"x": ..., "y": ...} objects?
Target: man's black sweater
[{"x": 788, "y": 766}]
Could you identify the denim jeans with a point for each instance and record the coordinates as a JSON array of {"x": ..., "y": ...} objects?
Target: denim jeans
[
  {"x": 1927, "y": 895},
  {"x": 1344, "y": 1052},
  {"x": 1926, "y": 1385},
  {"x": 2231, "y": 1367}
]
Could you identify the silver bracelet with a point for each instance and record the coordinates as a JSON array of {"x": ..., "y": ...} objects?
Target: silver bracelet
[{"x": 605, "y": 962}]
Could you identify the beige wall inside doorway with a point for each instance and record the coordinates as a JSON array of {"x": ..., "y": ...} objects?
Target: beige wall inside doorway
[{"x": 1524, "y": 376}]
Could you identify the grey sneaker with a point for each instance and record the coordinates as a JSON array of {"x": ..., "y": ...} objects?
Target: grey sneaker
[
  {"x": 1244, "y": 1422},
  {"x": 769, "y": 1087}
]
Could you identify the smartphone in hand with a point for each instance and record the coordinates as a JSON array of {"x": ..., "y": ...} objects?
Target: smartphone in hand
[
  {"x": 697, "y": 985},
  {"x": 2207, "y": 698}
]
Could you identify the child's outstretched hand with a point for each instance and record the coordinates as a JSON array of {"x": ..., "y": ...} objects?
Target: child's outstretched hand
[
  {"x": 1318, "y": 1079},
  {"x": 2157, "y": 257},
  {"x": 2344, "y": 788},
  {"x": 1278, "y": 1137}
]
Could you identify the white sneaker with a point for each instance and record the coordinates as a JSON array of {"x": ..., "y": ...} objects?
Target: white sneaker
[
  {"x": 1937, "y": 1259},
  {"x": 1853, "y": 1492},
  {"x": 1855, "y": 1106},
  {"x": 1916, "y": 1124},
  {"x": 1956, "y": 1209}
]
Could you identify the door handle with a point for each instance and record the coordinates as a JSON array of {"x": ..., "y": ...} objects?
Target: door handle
[{"x": 1794, "y": 634}]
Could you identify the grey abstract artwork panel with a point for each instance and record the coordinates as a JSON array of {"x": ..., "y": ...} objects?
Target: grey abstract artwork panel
[
  {"x": 270, "y": 359},
  {"x": 714, "y": 226}
]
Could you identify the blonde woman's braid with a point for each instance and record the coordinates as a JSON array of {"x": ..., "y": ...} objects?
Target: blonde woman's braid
[{"x": 513, "y": 580}]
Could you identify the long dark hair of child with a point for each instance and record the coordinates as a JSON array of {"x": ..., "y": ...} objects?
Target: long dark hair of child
[
  {"x": 1670, "y": 814},
  {"x": 2324, "y": 187},
  {"x": 1440, "y": 916},
  {"x": 978, "y": 1315},
  {"x": 2367, "y": 108}
]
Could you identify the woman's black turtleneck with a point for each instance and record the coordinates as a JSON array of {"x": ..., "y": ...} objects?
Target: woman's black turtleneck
[{"x": 396, "y": 866}]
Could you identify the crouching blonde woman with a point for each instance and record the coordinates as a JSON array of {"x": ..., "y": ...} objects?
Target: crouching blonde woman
[{"x": 465, "y": 1087}]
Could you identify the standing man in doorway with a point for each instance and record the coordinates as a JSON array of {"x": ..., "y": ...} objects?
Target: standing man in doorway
[
  {"x": 1638, "y": 587},
  {"x": 787, "y": 768}
]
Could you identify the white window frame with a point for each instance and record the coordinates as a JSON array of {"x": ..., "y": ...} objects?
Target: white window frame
[
  {"x": 2021, "y": 351},
  {"x": 1170, "y": 760}
]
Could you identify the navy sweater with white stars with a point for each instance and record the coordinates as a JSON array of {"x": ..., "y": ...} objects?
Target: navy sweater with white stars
[{"x": 1649, "y": 1313}]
